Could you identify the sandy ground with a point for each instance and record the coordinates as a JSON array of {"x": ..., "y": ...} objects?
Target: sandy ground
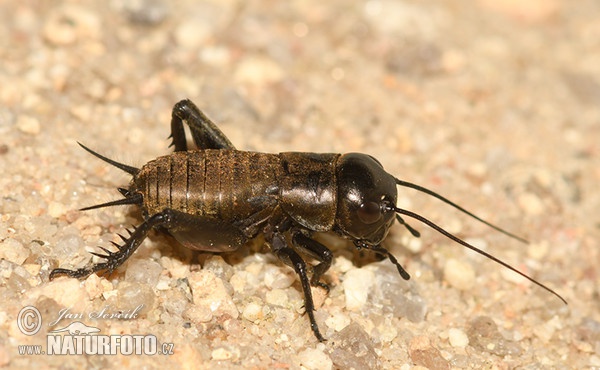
[{"x": 495, "y": 104}]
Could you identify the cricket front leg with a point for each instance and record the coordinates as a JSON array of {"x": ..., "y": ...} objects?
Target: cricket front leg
[{"x": 290, "y": 257}]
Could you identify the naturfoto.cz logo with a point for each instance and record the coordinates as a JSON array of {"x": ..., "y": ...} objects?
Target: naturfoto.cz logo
[{"x": 77, "y": 338}]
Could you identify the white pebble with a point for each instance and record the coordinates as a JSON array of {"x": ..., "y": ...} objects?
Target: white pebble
[
  {"x": 357, "y": 285},
  {"x": 210, "y": 292},
  {"x": 215, "y": 55},
  {"x": 252, "y": 312},
  {"x": 28, "y": 125},
  {"x": 143, "y": 271},
  {"x": 66, "y": 292},
  {"x": 538, "y": 250},
  {"x": 275, "y": 278},
  {"x": 277, "y": 297},
  {"x": 67, "y": 24},
  {"x": 458, "y": 338},
  {"x": 192, "y": 33},
  {"x": 222, "y": 353},
  {"x": 13, "y": 251},
  {"x": 56, "y": 209},
  {"x": 164, "y": 283},
  {"x": 546, "y": 331},
  {"x": 459, "y": 274},
  {"x": 387, "y": 332},
  {"x": 338, "y": 321},
  {"x": 258, "y": 70},
  {"x": 96, "y": 286},
  {"x": 343, "y": 264},
  {"x": 132, "y": 295},
  {"x": 531, "y": 204},
  {"x": 415, "y": 245},
  {"x": 197, "y": 314},
  {"x": 67, "y": 246},
  {"x": 238, "y": 281},
  {"x": 315, "y": 359}
]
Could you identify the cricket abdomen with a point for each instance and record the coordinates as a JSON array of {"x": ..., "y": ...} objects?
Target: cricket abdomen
[{"x": 220, "y": 188}]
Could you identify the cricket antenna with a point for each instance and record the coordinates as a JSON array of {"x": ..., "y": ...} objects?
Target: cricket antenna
[
  {"x": 472, "y": 247},
  {"x": 447, "y": 201}
]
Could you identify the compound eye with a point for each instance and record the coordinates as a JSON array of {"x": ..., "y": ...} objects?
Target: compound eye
[{"x": 369, "y": 212}]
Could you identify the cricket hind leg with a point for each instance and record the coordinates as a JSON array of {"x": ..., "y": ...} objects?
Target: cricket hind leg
[
  {"x": 115, "y": 259},
  {"x": 205, "y": 133}
]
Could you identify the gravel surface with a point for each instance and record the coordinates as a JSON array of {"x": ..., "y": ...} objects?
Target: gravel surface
[{"x": 493, "y": 103}]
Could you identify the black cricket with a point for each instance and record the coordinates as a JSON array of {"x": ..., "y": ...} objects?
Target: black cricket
[{"x": 216, "y": 198}]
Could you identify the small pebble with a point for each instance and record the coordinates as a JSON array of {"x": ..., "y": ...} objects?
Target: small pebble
[
  {"x": 219, "y": 267},
  {"x": 29, "y": 125},
  {"x": 238, "y": 281},
  {"x": 394, "y": 294},
  {"x": 484, "y": 335},
  {"x": 13, "y": 251},
  {"x": 387, "y": 332},
  {"x": 32, "y": 269},
  {"x": 56, "y": 209},
  {"x": 458, "y": 338},
  {"x": 459, "y": 274},
  {"x": 131, "y": 295},
  {"x": 222, "y": 354},
  {"x": 276, "y": 278},
  {"x": 215, "y": 55},
  {"x": 198, "y": 314},
  {"x": 164, "y": 283},
  {"x": 174, "y": 301},
  {"x": 146, "y": 12},
  {"x": 531, "y": 204},
  {"x": 546, "y": 331},
  {"x": 68, "y": 24},
  {"x": 277, "y": 297},
  {"x": 177, "y": 269},
  {"x": 338, "y": 321},
  {"x": 18, "y": 283},
  {"x": 343, "y": 264},
  {"x": 253, "y": 312},
  {"x": 110, "y": 294},
  {"x": 68, "y": 246},
  {"x": 258, "y": 70},
  {"x": 66, "y": 292},
  {"x": 192, "y": 33},
  {"x": 188, "y": 356},
  {"x": 538, "y": 250},
  {"x": 208, "y": 291},
  {"x": 415, "y": 245},
  {"x": 315, "y": 358},
  {"x": 354, "y": 349},
  {"x": 96, "y": 286},
  {"x": 143, "y": 271},
  {"x": 357, "y": 285},
  {"x": 423, "y": 354}
]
